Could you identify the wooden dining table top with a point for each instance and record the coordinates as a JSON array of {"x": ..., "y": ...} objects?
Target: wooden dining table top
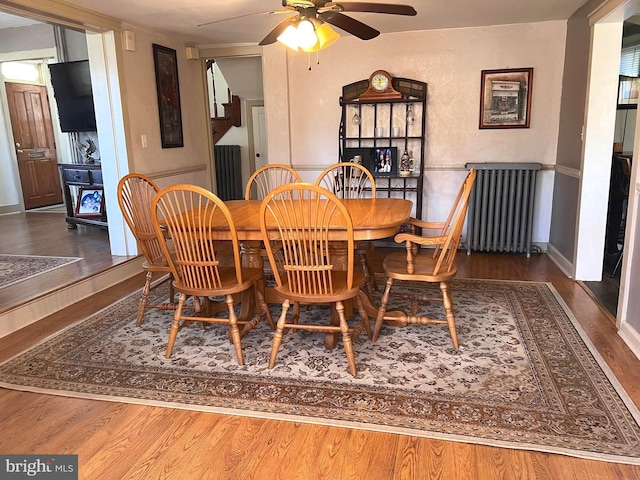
[{"x": 373, "y": 218}]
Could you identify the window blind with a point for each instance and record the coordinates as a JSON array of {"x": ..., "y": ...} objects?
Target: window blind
[{"x": 630, "y": 61}]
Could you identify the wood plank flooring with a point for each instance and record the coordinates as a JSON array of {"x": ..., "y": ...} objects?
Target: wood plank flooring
[
  {"x": 39, "y": 233},
  {"x": 120, "y": 441}
]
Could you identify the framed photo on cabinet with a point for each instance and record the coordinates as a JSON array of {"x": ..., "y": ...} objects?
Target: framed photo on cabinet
[
  {"x": 384, "y": 161},
  {"x": 90, "y": 203},
  {"x": 505, "y": 98}
]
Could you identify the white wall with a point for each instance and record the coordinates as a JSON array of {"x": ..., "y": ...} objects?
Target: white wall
[{"x": 306, "y": 103}]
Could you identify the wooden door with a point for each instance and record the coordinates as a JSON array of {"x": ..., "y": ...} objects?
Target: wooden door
[
  {"x": 259, "y": 137},
  {"x": 34, "y": 144}
]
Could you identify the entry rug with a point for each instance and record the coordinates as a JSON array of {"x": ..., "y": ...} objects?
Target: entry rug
[
  {"x": 17, "y": 268},
  {"x": 525, "y": 376}
]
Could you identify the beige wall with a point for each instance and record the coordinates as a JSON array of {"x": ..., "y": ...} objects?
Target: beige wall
[
  {"x": 450, "y": 61},
  {"x": 168, "y": 165}
]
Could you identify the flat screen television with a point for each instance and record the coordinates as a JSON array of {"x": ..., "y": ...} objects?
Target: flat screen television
[{"x": 72, "y": 88}]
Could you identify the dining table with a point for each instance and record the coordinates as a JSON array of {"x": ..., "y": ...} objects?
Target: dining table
[{"x": 372, "y": 218}]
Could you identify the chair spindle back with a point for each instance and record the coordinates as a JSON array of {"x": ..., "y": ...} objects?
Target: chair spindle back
[
  {"x": 347, "y": 180},
  {"x": 135, "y": 194},
  {"x": 189, "y": 213},
  {"x": 304, "y": 216},
  {"x": 269, "y": 177}
]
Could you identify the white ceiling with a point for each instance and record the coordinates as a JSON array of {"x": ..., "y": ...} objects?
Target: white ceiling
[
  {"x": 7, "y": 21},
  {"x": 182, "y": 17}
]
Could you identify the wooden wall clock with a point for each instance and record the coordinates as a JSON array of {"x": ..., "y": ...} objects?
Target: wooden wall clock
[{"x": 380, "y": 87}]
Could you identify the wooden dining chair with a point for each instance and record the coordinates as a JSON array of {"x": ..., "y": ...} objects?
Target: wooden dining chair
[
  {"x": 351, "y": 180},
  {"x": 301, "y": 217},
  {"x": 135, "y": 193},
  {"x": 263, "y": 181},
  {"x": 267, "y": 178},
  {"x": 439, "y": 267},
  {"x": 188, "y": 214}
]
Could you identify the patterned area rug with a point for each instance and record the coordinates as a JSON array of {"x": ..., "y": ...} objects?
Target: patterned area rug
[
  {"x": 16, "y": 268},
  {"x": 525, "y": 376}
]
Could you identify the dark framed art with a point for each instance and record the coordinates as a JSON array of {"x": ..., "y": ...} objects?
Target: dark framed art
[
  {"x": 384, "y": 161},
  {"x": 628, "y": 92},
  {"x": 167, "y": 85},
  {"x": 505, "y": 98},
  {"x": 90, "y": 203}
]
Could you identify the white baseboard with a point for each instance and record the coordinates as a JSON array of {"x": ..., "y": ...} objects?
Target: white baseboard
[
  {"x": 631, "y": 337},
  {"x": 46, "y": 305},
  {"x": 563, "y": 264}
]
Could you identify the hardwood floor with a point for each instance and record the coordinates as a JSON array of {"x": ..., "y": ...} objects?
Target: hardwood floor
[
  {"x": 40, "y": 233},
  {"x": 123, "y": 441}
]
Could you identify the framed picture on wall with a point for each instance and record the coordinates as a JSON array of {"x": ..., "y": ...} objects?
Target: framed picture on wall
[
  {"x": 505, "y": 98},
  {"x": 90, "y": 203},
  {"x": 628, "y": 90},
  {"x": 167, "y": 86}
]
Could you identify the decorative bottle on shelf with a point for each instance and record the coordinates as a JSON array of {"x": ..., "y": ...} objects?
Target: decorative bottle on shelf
[
  {"x": 412, "y": 162},
  {"x": 404, "y": 165}
]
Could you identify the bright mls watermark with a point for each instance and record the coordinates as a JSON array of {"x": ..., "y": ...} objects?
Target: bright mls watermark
[{"x": 51, "y": 467}]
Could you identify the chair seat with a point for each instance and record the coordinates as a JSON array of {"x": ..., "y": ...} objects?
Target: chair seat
[
  {"x": 229, "y": 282},
  {"x": 340, "y": 290},
  {"x": 395, "y": 266},
  {"x": 155, "y": 267}
]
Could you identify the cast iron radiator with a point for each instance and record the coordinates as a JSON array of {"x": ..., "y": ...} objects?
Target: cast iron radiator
[
  {"x": 228, "y": 172},
  {"x": 500, "y": 216}
]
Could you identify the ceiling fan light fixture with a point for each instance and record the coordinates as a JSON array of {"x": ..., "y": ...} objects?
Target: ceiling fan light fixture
[
  {"x": 325, "y": 35},
  {"x": 289, "y": 37},
  {"x": 306, "y": 34}
]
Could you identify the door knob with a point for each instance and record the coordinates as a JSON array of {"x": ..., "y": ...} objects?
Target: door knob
[{"x": 18, "y": 149}]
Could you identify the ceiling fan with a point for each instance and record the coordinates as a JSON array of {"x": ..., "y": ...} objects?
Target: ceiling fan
[{"x": 317, "y": 13}]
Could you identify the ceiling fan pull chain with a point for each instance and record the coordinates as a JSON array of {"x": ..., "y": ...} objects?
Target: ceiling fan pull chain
[{"x": 309, "y": 60}]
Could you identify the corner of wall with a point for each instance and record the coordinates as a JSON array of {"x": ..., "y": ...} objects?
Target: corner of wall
[{"x": 563, "y": 264}]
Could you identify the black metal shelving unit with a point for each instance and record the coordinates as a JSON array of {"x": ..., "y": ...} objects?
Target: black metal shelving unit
[{"x": 399, "y": 123}]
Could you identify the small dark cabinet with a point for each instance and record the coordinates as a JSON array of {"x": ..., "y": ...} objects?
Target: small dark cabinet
[{"x": 87, "y": 176}]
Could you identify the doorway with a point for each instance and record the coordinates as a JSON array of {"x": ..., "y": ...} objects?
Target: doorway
[
  {"x": 607, "y": 290},
  {"x": 239, "y": 73}
]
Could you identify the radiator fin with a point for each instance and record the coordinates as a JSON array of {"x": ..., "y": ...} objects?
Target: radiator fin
[
  {"x": 500, "y": 217},
  {"x": 228, "y": 172}
]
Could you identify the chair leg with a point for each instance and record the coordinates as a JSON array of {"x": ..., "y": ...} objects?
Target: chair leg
[
  {"x": 143, "y": 300},
  {"x": 175, "y": 326},
  {"x": 346, "y": 339},
  {"x": 382, "y": 309},
  {"x": 277, "y": 337},
  {"x": 448, "y": 308},
  {"x": 234, "y": 331}
]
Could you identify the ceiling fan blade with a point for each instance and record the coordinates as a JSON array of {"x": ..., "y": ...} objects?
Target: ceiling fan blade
[
  {"x": 348, "y": 24},
  {"x": 273, "y": 35},
  {"x": 268, "y": 12},
  {"x": 393, "y": 9}
]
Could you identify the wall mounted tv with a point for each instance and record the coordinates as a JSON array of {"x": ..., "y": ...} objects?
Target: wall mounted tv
[{"x": 72, "y": 88}]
